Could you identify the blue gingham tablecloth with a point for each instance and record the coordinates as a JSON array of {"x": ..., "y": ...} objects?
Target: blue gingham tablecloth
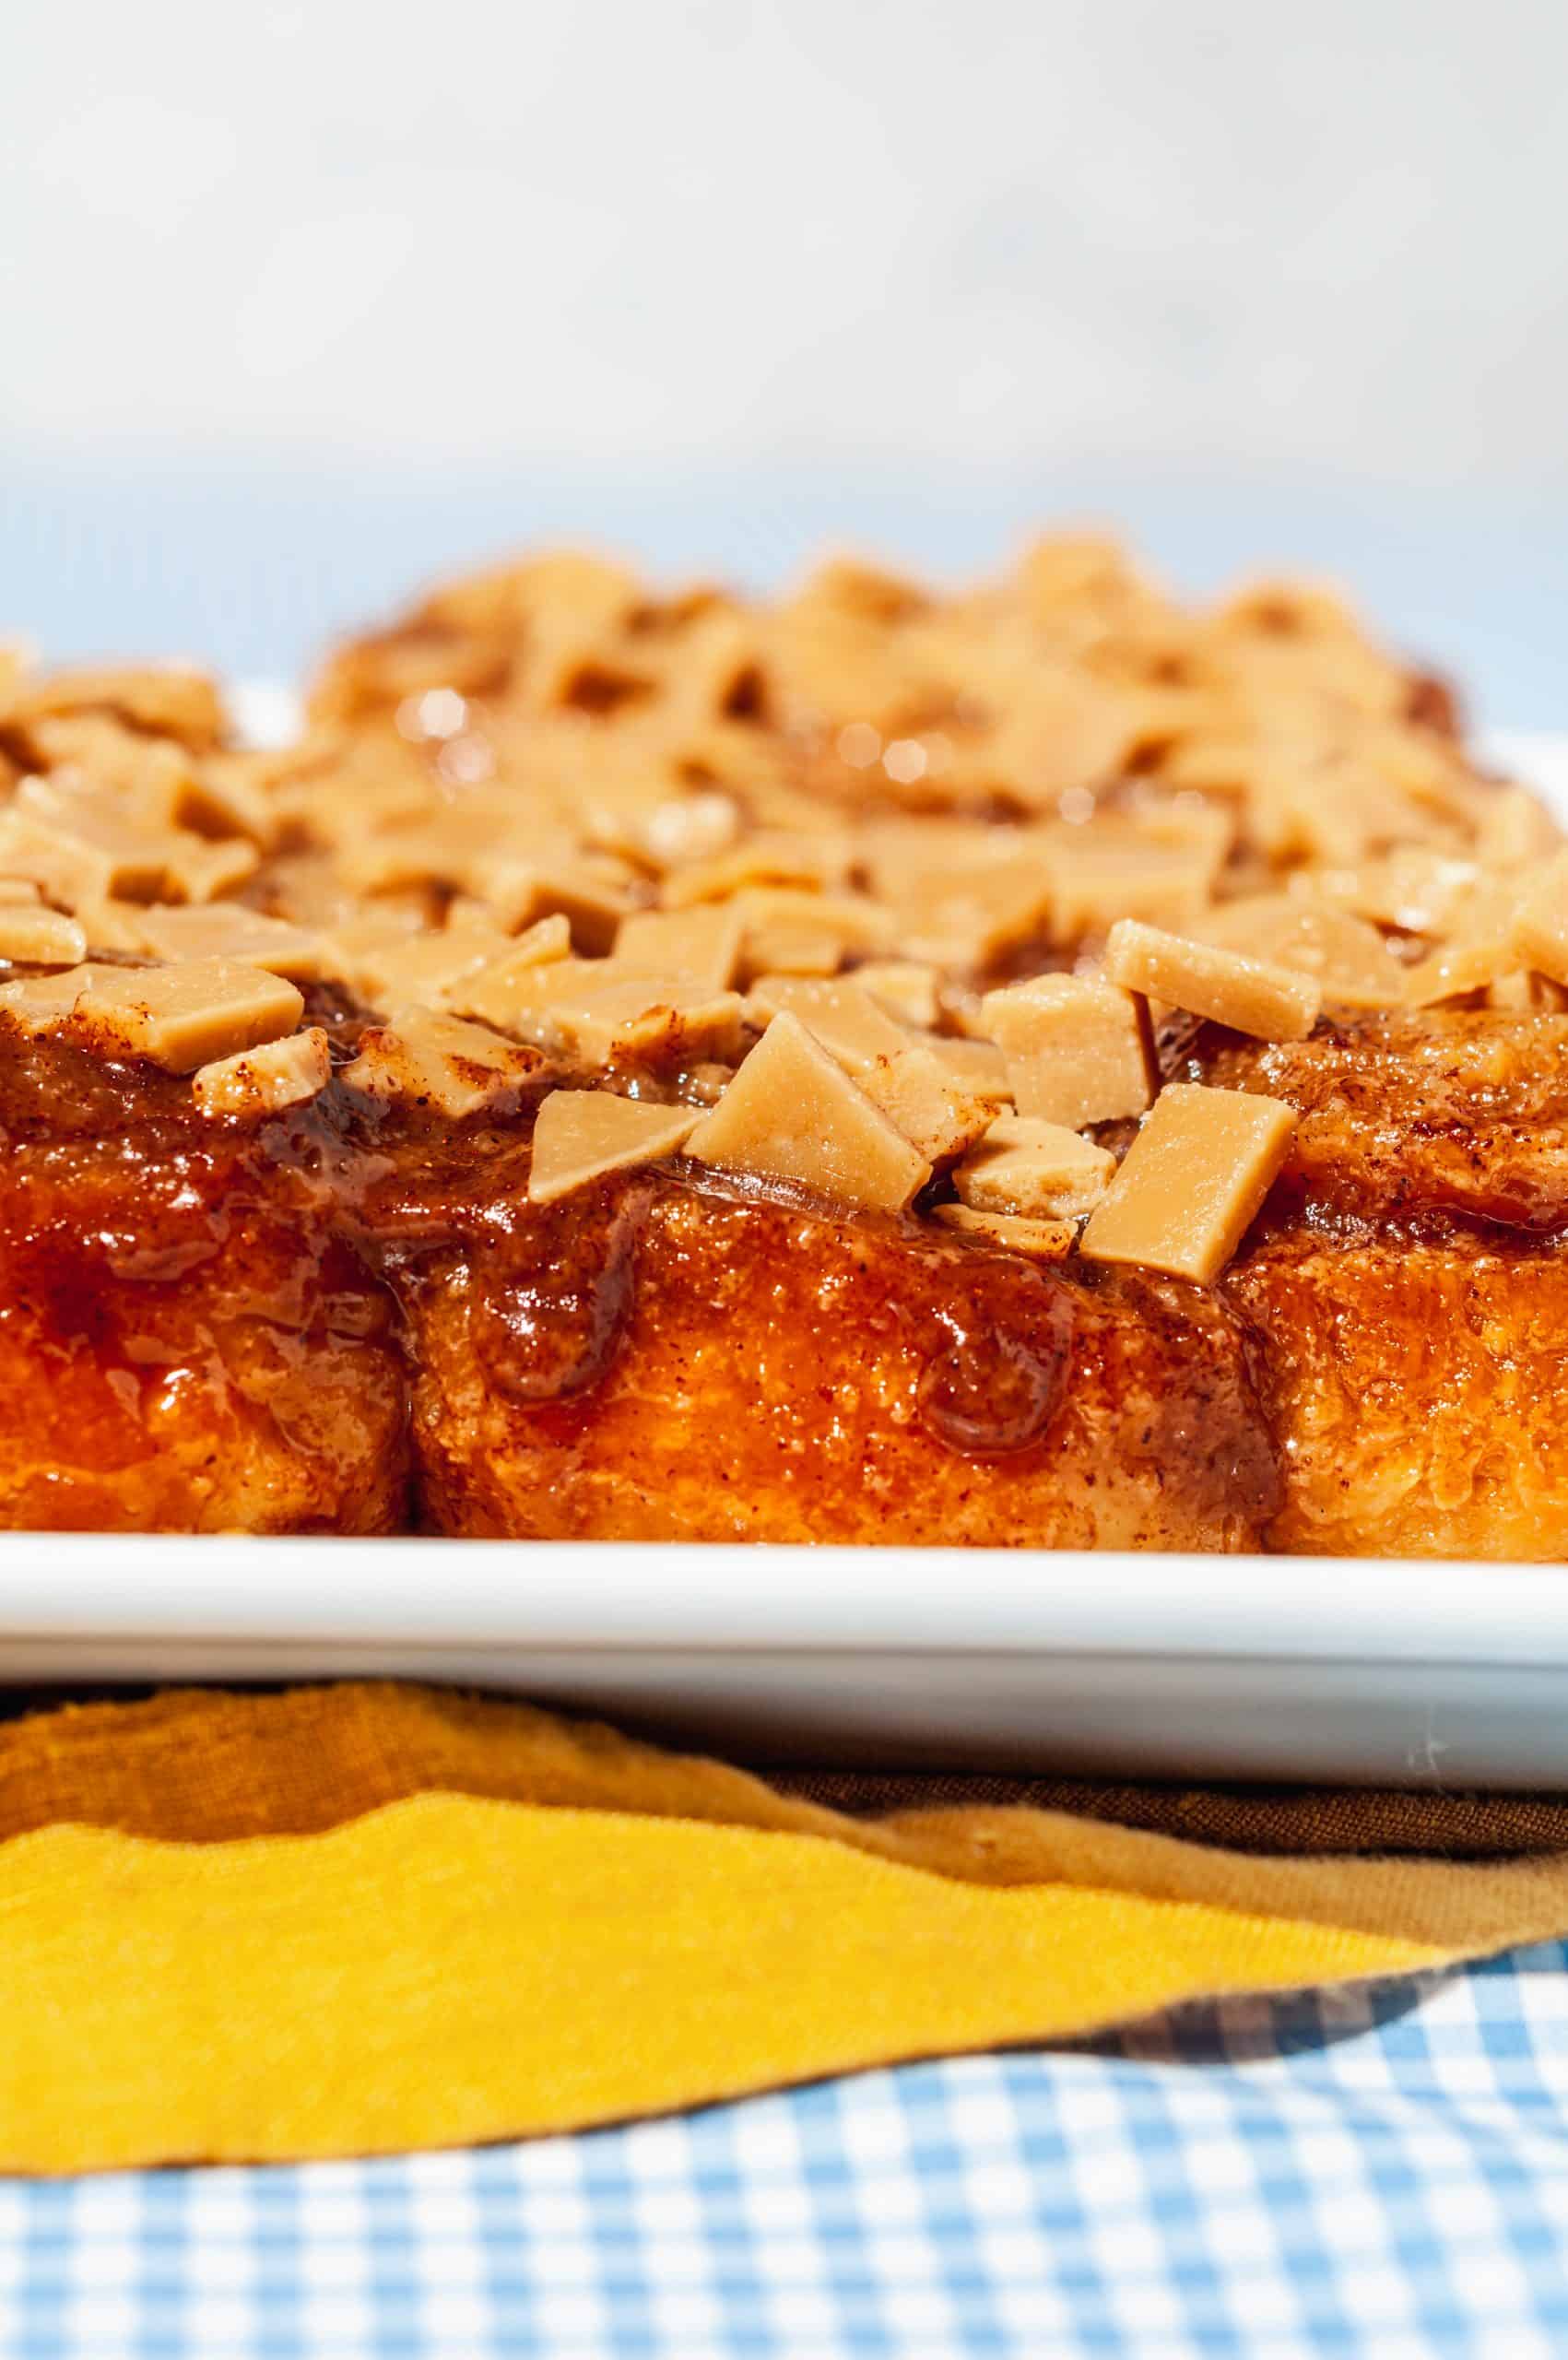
[{"x": 1379, "y": 2170}]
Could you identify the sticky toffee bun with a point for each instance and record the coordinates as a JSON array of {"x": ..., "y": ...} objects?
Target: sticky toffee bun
[{"x": 1036, "y": 1066}]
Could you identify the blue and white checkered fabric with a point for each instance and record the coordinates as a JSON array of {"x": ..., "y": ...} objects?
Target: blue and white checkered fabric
[{"x": 1379, "y": 2171}]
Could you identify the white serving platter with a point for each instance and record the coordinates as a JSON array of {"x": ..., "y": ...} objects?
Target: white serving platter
[
  {"x": 1278, "y": 1667},
  {"x": 1245, "y": 1667}
]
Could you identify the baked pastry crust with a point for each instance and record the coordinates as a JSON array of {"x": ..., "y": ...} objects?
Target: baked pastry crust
[
  {"x": 1377, "y": 1373},
  {"x": 188, "y": 1341},
  {"x": 312, "y": 1288}
]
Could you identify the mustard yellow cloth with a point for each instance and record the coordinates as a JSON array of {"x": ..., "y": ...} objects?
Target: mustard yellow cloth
[{"x": 364, "y": 1918}]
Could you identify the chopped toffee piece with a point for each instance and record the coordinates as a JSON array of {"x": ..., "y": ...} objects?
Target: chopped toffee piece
[
  {"x": 580, "y": 1135},
  {"x": 1078, "y": 1051},
  {"x": 1191, "y": 1181},
  {"x": 1255, "y": 996},
  {"x": 934, "y": 1109},
  {"x": 1099, "y": 875},
  {"x": 506, "y": 982},
  {"x": 264, "y": 1080},
  {"x": 226, "y": 931},
  {"x": 1044, "y": 1241},
  {"x": 1516, "y": 832},
  {"x": 792, "y": 1113},
  {"x": 821, "y": 860},
  {"x": 424, "y": 970},
  {"x": 37, "y": 1004},
  {"x": 928, "y": 1102},
  {"x": 1350, "y": 960},
  {"x": 705, "y": 940},
  {"x": 1025, "y": 1167},
  {"x": 793, "y": 933},
  {"x": 1540, "y": 927},
  {"x": 40, "y": 938},
  {"x": 441, "y": 1063},
  {"x": 595, "y": 1011},
  {"x": 968, "y": 922},
  {"x": 1494, "y": 940},
  {"x": 188, "y": 1015},
  {"x": 841, "y": 1015},
  {"x": 905, "y": 987},
  {"x": 978, "y": 1067}
]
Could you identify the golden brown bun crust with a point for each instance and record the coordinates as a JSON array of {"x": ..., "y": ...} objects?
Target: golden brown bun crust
[
  {"x": 777, "y": 1374},
  {"x": 1415, "y": 1395},
  {"x": 206, "y": 1326},
  {"x": 1407, "y": 1287},
  {"x": 186, "y": 1341},
  {"x": 1378, "y": 1373}
]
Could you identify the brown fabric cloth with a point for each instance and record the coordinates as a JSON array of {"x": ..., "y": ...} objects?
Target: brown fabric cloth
[{"x": 1308, "y": 1821}]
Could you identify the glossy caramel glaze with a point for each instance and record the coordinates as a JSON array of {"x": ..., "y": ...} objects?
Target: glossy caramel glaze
[
  {"x": 187, "y": 1341},
  {"x": 351, "y": 1318},
  {"x": 1378, "y": 1372},
  {"x": 1406, "y": 1286},
  {"x": 669, "y": 1359}
]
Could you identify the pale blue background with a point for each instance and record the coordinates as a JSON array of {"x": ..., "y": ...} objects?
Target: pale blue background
[
  {"x": 252, "y": 565},
  {"x": 297, "y": 304}
]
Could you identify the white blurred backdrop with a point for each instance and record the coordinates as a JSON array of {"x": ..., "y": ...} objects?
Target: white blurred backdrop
[{"x": 298, "y": 300}]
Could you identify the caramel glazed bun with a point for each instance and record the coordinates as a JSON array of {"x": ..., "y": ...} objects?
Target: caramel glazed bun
[{"x": 1038, "y": 1067}]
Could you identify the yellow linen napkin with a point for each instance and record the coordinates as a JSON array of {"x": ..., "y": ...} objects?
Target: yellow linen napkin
[{"x": 364, "y": 1918}]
